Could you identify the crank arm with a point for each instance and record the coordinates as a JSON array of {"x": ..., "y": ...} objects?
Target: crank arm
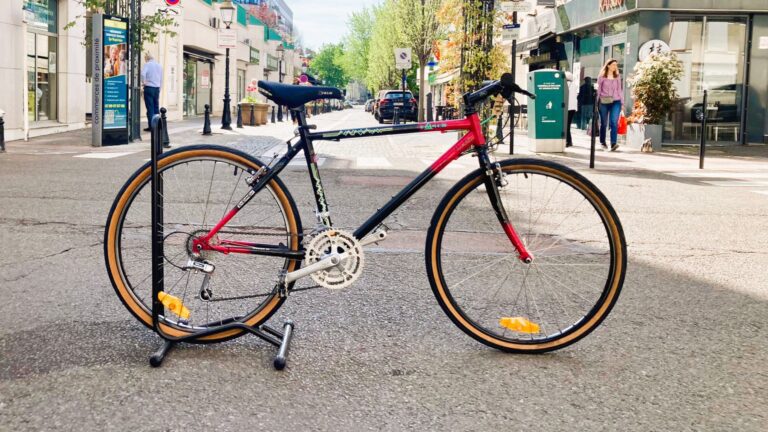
[{"x": 323, "y": 264}]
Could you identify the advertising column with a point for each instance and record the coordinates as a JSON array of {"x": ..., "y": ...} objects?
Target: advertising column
[{"x": 110, "y": 86}]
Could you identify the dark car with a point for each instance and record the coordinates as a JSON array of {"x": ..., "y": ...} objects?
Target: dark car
[{"x": 391, "y": 99}]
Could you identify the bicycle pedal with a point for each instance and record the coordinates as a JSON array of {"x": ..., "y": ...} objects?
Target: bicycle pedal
[{"x": 519, "y": 324}]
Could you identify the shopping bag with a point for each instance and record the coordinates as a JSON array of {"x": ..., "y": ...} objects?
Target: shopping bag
[{"x": 622, "y": 129}]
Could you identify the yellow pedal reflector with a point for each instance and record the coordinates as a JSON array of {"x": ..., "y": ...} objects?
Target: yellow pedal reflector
[
  {"x": 519, "y": 324},
  {"x": 173, "y": 304}
]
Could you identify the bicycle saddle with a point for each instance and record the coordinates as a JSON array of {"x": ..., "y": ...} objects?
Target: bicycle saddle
[{"x": 294, "y": 96}]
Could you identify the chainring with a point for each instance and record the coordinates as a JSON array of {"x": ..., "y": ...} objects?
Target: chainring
[{"x": 337, "y": 241}]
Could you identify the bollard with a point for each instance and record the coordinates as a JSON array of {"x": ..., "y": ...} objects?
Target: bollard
[
  {"x": 273, "y": 114},
  {"x": 2, "y": 132},
  {"x": 207, "y": 121},
  {"x": 279, "y": 113},
  {"x": 429, "y": 107},
  {"x": 396, "y": 116},
  {"x": 239, "y": 116},
  {"x": 253, "y": 115},
  {"x": 512, "y": 126},
  {"x": 500, "y": 127},
  {"x": 703, "y": 147},
  {"x": 594, "y": 130},
  {"x": 164, "y": 120}
]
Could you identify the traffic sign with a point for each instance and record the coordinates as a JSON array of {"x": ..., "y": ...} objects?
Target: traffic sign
[
  {"x": 510, "y": 32},
  {"x": 172, "y": 2},
  {"x": 516, "y": 6},
  {"x": 403, "y": 58}
]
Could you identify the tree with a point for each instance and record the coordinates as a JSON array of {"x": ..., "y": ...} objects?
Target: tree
[
  {"x": 327, "y": 65},
  {"x": 419, "y": 29},
  {"x": 385, "y": 37},
  {"x": 149, "y": 26},
  {"x": 357, "y": 44}
]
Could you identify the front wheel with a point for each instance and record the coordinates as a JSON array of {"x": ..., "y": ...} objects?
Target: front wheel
[{"x": 564, "y": 221}]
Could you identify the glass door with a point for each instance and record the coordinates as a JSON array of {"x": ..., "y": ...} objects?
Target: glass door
[
  {"x": 190, "y": 87},
  {"x": 204, "y": 77},
  {"x": 41, "y": 77},
  {"x": 713, "y": 56}
]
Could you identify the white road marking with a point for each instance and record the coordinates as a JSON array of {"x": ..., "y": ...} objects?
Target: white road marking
[
  {"x": 723, "y": 175},
  {"x": 736, "y": 183},
  {"x": 103, "y": 155},
  {"x": 761, "y": 192},
  {"x": 372, "y": 162}
]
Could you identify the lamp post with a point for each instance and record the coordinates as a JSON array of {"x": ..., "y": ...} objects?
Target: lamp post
[
  {"x": 227, "y": 10},
  {"x": 280, "y": 56}
]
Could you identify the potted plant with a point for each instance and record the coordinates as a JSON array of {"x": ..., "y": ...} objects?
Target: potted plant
[{"x": 654, "y": 92}]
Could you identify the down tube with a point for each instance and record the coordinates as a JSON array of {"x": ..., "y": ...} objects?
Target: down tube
[{"x": 411, "y": 188}]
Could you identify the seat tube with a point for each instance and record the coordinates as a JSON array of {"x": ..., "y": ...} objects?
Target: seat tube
[
  {"x": 321, "y": 205},
  {"x": 493, "y": 176}
]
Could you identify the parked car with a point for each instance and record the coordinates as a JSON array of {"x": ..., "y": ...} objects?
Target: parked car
[
  {"x": 369, "y": 105},
  {"x": 388, "y": 100},
  {"x": 723, "y": 102}
]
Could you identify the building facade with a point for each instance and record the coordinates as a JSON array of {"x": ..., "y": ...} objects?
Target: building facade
[
  {"x": 723, "y": 47},
  {"x": 46, "y": 65}
]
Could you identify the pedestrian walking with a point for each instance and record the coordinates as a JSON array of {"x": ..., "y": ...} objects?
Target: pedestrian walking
[
  {"x": 152, "y": 79},
  {"x": 586, "y": 103},
  {"x": 610, "y": 94},
  {"x": 573, "y": 93}
]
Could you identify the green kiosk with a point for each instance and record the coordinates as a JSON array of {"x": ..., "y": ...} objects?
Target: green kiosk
[{"x": 547, "y": 114}]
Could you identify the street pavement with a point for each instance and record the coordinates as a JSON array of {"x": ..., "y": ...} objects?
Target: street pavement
[{"x": 685, "y": 348}]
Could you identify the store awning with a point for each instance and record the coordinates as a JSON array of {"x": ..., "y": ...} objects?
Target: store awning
[
  {"x": 532, "y": 43},
  {"x": 445, "y": 77}
]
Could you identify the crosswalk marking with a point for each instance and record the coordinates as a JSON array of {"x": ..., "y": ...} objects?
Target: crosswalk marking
[
  {"x": 103, "y": 155},
  {"x": 372, "y": 162},
  {"x": 736, "y": 183}
]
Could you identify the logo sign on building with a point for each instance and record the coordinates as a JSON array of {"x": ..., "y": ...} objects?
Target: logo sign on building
[
  {"x": 655, "y": 46},
  {"x": 606, "y": 5},
  {"x": 227, "y": 38},
  {"x": 403, "y": 58},
  {"x": 110, "y": 80},
  {"x": 510, "y": 32},
  {"x": 516, "y": 6}
]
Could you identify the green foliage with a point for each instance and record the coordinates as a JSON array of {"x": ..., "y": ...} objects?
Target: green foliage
[
  {"x": 653, "y": 88},
  {"x": 385, "y": 37},
  {"x": 419, "y": 28},
  {"x": 328, "y": 65},
  {"x": 357, "y": 44},
  {"x": 150, "y": 26}
]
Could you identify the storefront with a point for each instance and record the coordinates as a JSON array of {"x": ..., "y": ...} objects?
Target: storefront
[
  {"x": 198, "y": 81},
  {"x": 722, "y": 51},
  {"x": 41, "y": 50}
]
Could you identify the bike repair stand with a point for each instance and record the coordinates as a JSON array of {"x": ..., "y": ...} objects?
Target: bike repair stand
[{"x": 269, "y": 334}]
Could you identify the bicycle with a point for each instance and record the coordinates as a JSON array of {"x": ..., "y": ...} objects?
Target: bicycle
[{"x": 523, "y": 255}]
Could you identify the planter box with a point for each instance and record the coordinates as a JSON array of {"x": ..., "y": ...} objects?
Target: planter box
[
  {"x": 246, "y": 110},
  {"x": 261, "y": 113},
  {"x": 638, "y": 133}
]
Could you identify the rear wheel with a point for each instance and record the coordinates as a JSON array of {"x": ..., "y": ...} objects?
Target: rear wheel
[
  {"x": 567, "y": 290},
  {"x": 200, "y": 184}
]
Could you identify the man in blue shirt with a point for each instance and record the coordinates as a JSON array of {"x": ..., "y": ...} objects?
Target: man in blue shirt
[{"x": 152, "y": 78}]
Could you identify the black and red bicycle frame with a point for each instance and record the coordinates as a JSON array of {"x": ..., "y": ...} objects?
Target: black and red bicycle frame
[{"x": 472, "y": 140}]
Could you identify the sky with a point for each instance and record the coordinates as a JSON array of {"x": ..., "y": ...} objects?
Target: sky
[{"x": 321, "y": 22}]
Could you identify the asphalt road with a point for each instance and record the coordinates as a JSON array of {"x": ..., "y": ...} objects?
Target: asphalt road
[{"x": 685, "y": 348}]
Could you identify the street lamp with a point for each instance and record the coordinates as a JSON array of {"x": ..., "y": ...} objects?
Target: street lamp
[
  {"x": 227, "y": 10},
  {"x": 280, "y": 56}
]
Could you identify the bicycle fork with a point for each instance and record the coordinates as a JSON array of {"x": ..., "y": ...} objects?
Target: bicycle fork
[{"x": 494, "y": 178}]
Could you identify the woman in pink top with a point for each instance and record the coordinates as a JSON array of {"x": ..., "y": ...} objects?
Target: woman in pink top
[{"x": 610, "y": 95}]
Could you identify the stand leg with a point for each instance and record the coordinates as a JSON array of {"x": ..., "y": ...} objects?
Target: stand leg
[
  {"x": 157, "y": 358},
  {"x": 280, "y": 359}
]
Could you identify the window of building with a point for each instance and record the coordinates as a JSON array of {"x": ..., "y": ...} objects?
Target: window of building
[{"x": 41, "y": 50}]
